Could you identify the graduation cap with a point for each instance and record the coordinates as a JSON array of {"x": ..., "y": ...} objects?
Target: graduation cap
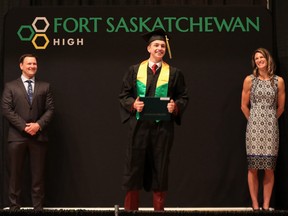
[{"x": 158, "y": 34}]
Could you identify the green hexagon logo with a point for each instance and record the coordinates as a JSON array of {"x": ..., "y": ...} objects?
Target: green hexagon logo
[
  {"x": 25, "y": 33},
  {"x": 30, "y": 32}
]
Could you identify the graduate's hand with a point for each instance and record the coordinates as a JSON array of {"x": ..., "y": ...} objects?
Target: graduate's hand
[
  {"x": 171, "y": 106},
  {"x": 138, "y": 105}
]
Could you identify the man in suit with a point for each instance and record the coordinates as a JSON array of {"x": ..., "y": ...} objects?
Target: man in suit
[{"x": 28, "y": 105}]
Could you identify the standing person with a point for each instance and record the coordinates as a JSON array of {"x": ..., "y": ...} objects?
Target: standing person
[
  {"x": 150, "y": 141},
  {"x": 263, "y": 99},
  {"x": 28, "y": 105}
]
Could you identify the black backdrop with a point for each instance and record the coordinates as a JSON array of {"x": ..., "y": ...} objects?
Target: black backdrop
[{"x": 85, "y": 160}]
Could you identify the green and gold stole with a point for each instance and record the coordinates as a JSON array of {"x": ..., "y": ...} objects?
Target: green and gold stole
[{"x": 162, "y": 82}]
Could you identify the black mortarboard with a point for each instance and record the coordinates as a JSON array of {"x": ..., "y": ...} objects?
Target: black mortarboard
[{"x": 158, "y": 34}]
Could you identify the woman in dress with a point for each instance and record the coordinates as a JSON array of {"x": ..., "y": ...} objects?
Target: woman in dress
[{"x": 263, "y": 99}]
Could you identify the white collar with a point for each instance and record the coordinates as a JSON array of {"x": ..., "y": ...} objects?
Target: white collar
[
  {"x": 159, "y": 64},
  {"x": 25, "y": 79}
]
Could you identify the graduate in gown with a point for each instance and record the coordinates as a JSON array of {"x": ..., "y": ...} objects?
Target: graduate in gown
[{"x": 150, "y": 141}]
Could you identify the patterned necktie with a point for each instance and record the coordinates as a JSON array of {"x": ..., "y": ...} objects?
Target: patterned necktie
[
  {"x": 30, "y": 91},
  {"x": 154, "y": 68}
]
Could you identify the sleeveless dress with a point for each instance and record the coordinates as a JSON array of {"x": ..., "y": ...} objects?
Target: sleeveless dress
[{"x": 262, "y": 133}]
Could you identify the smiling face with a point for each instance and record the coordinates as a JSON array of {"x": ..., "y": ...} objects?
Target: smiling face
[
  {"x": 29, "y": 67},
  {"x": 157, "y": 50},
  {"x": 260, "y": 61}
]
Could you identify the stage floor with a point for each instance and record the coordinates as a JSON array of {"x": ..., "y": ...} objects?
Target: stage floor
[{"x": 168, "y": 209}]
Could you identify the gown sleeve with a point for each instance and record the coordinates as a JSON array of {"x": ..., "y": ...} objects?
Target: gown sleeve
[{"x": 127, "y": 95}]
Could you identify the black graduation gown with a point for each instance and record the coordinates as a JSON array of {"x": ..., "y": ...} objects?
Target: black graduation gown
[{"x": 149, "y": 144}]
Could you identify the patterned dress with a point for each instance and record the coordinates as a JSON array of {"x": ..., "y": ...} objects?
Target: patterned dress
[{"x": 262, "y": 133}]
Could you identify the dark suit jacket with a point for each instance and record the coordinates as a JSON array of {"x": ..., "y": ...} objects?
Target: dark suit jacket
[{"x": 18, "y": 111}]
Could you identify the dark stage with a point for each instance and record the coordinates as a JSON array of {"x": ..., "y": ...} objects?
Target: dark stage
[{"x": 211, "y": 43}]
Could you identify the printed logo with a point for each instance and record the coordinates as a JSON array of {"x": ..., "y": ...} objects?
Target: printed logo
[{"x": 35, "y": 33}]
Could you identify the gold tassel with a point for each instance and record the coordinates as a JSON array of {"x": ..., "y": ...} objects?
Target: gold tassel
[{"x": 168, "y": 47}]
